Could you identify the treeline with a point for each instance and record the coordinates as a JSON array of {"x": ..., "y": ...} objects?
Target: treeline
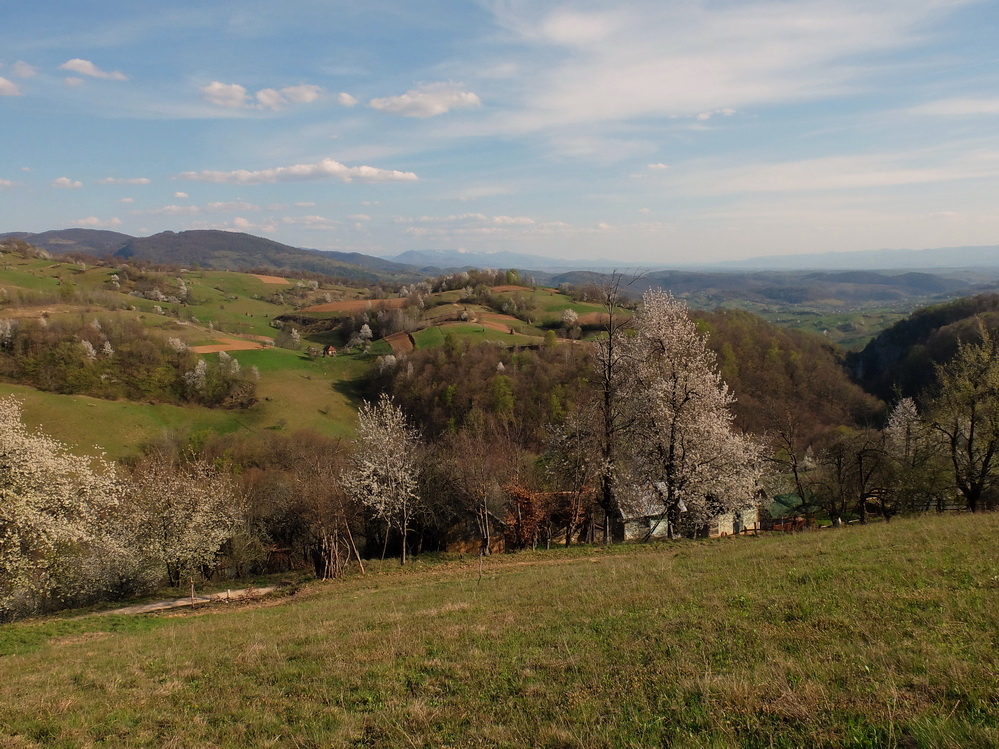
[
  {"x": 461, "y": 386},
  {"x": 118, "y": 358}
]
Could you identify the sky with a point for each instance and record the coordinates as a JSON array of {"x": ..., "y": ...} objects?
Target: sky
[{"x": 647, "y": 131}]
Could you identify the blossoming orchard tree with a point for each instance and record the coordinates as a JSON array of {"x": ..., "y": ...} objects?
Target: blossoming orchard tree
[
  {"x": 681, "y": 436},
  {"x": 58, "y": 540},
  {"x": 187, "y": 512},
  {"x": 384, "y": 475}
]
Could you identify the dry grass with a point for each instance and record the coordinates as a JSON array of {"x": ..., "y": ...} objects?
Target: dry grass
[{"x": 868, "y": 637}]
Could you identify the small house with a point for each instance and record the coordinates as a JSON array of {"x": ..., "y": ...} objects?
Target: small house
[{"x": 643, "y": 518}]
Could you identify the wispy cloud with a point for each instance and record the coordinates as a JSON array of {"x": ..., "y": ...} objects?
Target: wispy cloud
[
  {"x": 325, "y": 169},
  {"x": 232, "y": 206},
  {"x": 124, "y": 181},
  {"x": 92, "y": 222},
  {"x": 21, "y": 69},
  {"x": 648, "y": 58},
  {"x": 837, "y": 173},
  {"x": 235, "y": 96},
  {"x": 85, "y": 67},
  {"x": 8, "y": 87},
  {"x": 958, "y": 106},
  {"x": 429, "y": 100}
]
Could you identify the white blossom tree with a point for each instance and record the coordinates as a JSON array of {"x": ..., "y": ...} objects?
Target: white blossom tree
[
  {"x": 187, "y": 513},
  {"x": 681, "y": 434},
  {"x": 59, "y": 541},
  {"x": 965, "y": 412},
  {"x": 384, "y": 473}
]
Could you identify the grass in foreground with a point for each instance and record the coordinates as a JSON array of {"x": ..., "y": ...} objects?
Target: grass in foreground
[{"x": 877, "y": 636}]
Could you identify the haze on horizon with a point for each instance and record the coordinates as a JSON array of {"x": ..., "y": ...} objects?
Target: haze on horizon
[{"x": 657, "y": 132}]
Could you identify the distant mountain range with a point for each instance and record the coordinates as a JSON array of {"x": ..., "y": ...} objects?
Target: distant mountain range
[
  {"x": 451, "y": 260},
  {"x": 220, "y": 250},
  {"x": 985, "y": 256},
  {"x": 886, "y": 260}
]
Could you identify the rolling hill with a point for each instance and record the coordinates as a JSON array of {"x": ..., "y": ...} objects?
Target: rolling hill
[{"x": 220, "y": 250}]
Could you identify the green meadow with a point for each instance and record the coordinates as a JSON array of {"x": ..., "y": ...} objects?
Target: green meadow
[{"x": 876, "y": 636}]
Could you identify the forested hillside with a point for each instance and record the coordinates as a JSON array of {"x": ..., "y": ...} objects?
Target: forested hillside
[{"x": 902, "y": 358}]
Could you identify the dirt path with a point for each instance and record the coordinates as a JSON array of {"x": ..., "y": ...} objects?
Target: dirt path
[
  {"x": 270, "y": 279},
  {"x": 176, "y": 603}
]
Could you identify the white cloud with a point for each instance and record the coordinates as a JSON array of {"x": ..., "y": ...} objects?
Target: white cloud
[
  {"x": 6, "y": 184},
  {"x": 85, "y": 67},
  {"x": 124, "y": 181},
  {"x": 229, "y": 95},
  {"x": 302, "y": 94},
  {"x": 73, "y": 82},
  {"x": 23, "y": 70},
  {"x": 127, "y": 201},
  {"x": 66, "y": 183},
  {"x": 657, "y": 167},
  {"x": 325, "y": 169},
  {"x": 235, "y": 96},
  {"x": 8, "y": 87},
  {"x": 346, "y": 99},
  {"x": 359, "y": 217},
  {"x": 270, "y": 98},
  {"x": 93, "y": 222},
  {"x": 181, "y": 195},
  {"x": 429, "y": 100},
  {"x": 958, "y": 107},
  {"x": 305, "y": 204}
]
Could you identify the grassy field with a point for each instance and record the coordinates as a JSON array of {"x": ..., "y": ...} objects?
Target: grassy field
[{"x": 878, "y": 636}]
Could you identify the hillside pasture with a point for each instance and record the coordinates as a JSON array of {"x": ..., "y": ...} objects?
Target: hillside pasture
[
  {"x": 877, "y": 636},
  {"x": 270, "y": 279}
]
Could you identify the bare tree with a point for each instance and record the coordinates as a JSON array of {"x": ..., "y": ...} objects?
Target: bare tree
[
  {"x": 611, "y": 370},
  {"x": 384, "y": 471}
]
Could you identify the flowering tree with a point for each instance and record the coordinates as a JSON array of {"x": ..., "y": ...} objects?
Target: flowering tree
[
  {"x": 58, "y": 539},
  {"x": 681, "y": 431},
  {"x": 965, "y": 412},
  {"x": 915, "y": 458},
  {"x": 187, "y": 513},
  {"x": 384, "y": 471}
]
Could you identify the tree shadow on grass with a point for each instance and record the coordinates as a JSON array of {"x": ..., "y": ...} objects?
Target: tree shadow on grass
[{"x": 355, "y": 390}]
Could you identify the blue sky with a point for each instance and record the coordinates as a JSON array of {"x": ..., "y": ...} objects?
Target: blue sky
[{"x": 663, "y": 131}]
